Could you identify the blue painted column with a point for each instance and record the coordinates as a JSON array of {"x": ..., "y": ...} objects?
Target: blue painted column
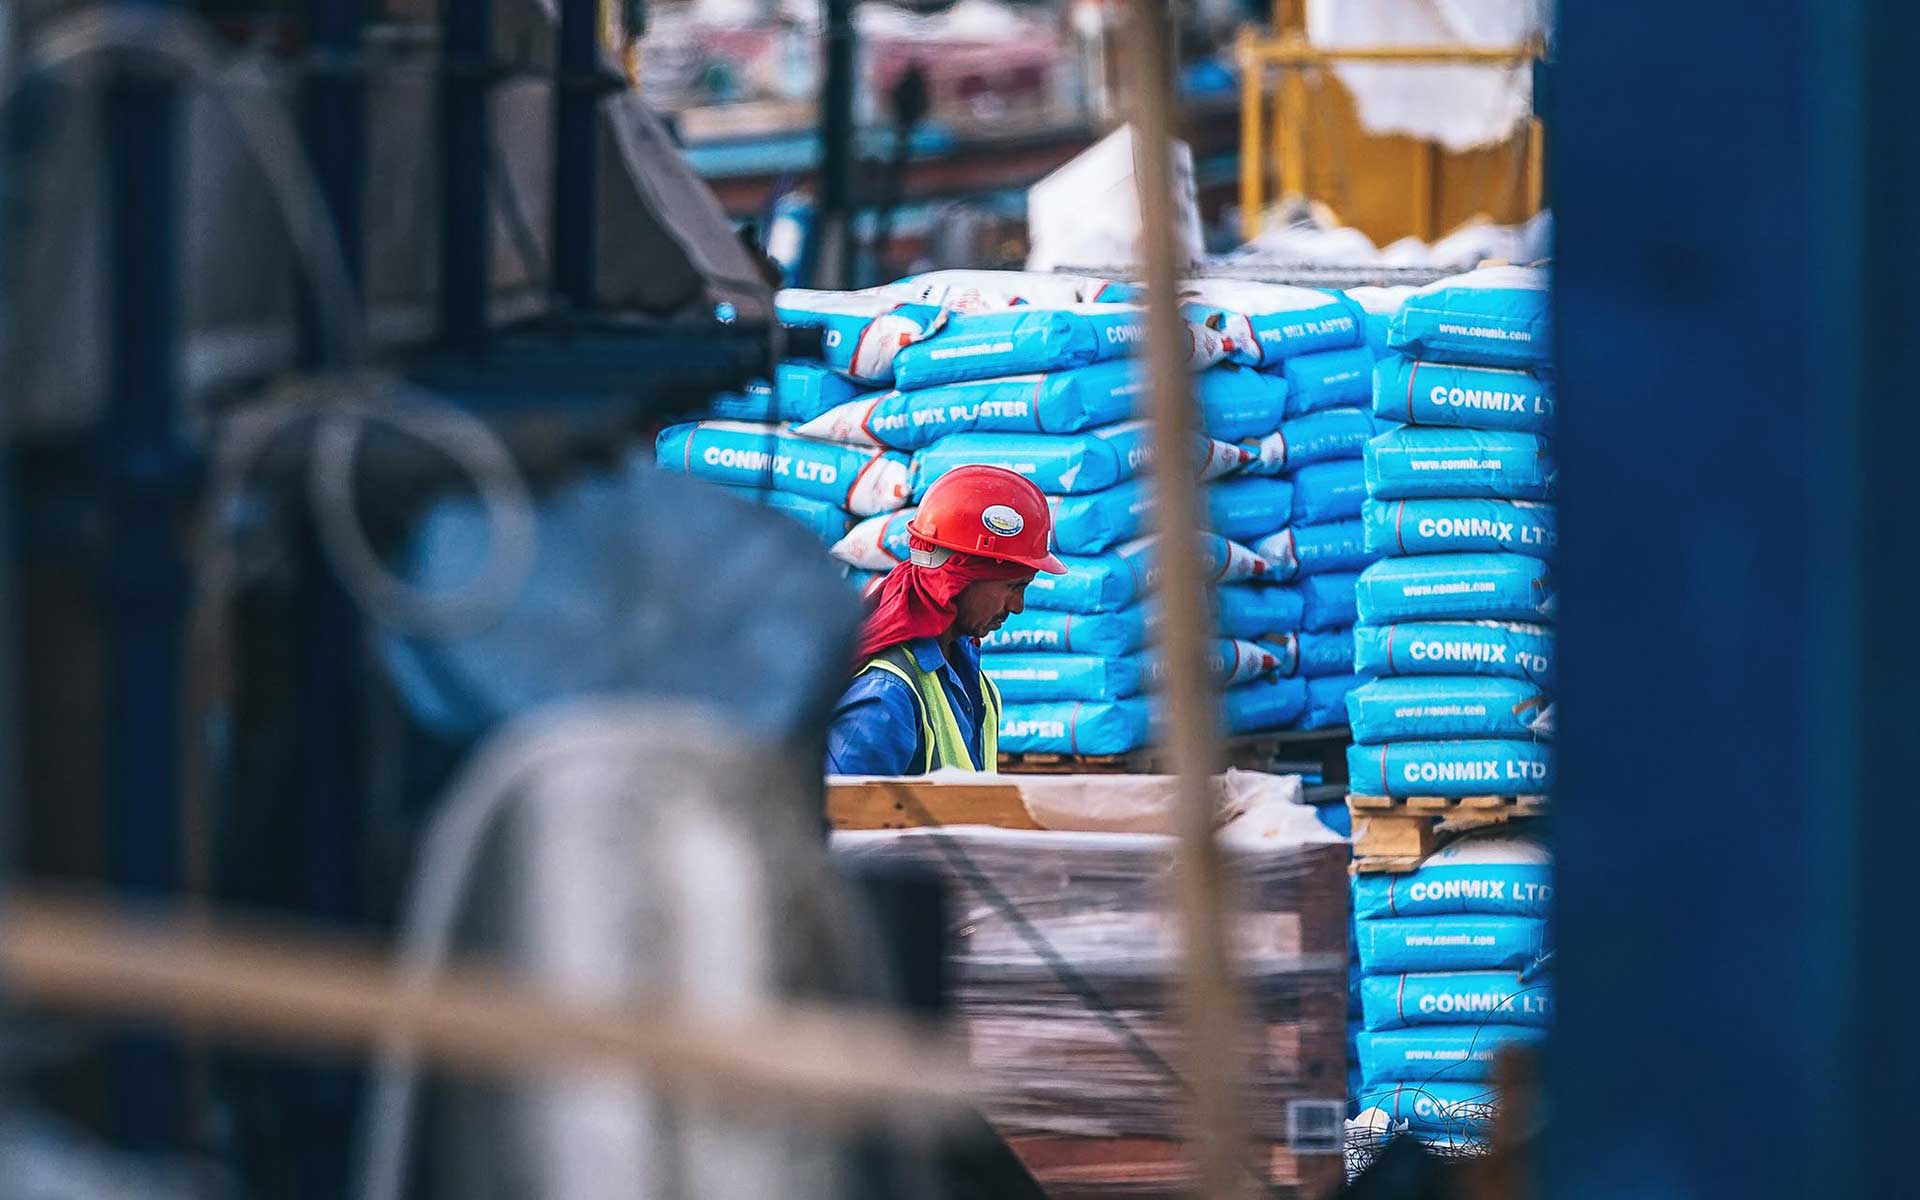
[
  {"x": 1734, "y": 188},
  {"x": 148, "y": 470},
  {"x": 577, "y": 87},
  {"x": 465, "y": 235}
]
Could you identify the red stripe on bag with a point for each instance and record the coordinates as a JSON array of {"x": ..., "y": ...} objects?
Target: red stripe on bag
[
  {"x": 1411, "y": 372},
  {"x": 859, "y": 475}
]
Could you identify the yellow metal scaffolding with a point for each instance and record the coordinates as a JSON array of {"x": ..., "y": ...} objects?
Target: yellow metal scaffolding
[{"x": 1292, "y": 56}]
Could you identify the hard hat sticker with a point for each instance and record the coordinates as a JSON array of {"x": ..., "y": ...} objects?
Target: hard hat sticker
[{"x": 1000, "y": 519}]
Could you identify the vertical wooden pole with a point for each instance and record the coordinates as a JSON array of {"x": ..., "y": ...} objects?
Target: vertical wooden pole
[
  {"x": 1211, "y": 1010},
  {"x": 1536, "y": 165},
  {"x": 1253, "y": 167},
  {"x": 1292, "y": 124}
]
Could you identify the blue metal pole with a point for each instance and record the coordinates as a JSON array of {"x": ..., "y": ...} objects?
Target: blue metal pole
[
  {"x": 333, "y": 123},
  {"x": 577, "y": 86},
  {"x": 148, "y": 471},
  {"x": 328, "y": 767},
  {"x": 467, "y": 44}
]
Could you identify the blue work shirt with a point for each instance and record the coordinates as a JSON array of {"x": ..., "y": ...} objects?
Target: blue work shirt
[{"x": 876, "y": 729}]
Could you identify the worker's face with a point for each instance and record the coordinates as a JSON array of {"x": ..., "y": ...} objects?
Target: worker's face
[{"x": 985, "y": 605}]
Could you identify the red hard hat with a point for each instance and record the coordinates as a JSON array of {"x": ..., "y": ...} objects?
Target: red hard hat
[{"x": 989, "y": 511}]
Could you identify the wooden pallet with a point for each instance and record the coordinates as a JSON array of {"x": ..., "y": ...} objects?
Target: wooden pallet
[
  {"x": 1255, "y": 752},
  {"x": 1392, "y": 835}
]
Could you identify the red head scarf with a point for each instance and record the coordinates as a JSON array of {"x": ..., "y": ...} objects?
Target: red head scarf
[{"x": 913, "y": 601}]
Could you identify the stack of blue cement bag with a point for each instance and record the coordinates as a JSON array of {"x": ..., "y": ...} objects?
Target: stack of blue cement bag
[
  {"x": 1455, "y": 635},
  {"x": 1038, "y": 373},
  {"x": 1454, "y": 621},
  {"x": 1453, "y": 965}
]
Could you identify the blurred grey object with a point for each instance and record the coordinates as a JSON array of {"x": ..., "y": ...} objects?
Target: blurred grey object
[
  {"x": 627, "y": 850},
  {"x": 667, "y": 250}
]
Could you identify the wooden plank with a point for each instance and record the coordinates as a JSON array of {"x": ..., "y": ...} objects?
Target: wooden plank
[
  {"x": 1357, "y": 801},
  {"x": 1393, "y": 836},
  {"x": 915, "y": 803},
  {"x": 1387, "y": 866}
]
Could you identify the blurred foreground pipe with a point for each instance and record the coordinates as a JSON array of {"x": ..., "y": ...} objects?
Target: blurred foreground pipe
[
  {"x": 1212, "y": 1007},
  {"x": 576, "y": 169},
  {"x": 466, "y": 78},
  {"x": 829, "y": 1070}
]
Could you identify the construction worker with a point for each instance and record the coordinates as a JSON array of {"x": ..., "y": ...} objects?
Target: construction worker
[{"x": 919, "y": 700}]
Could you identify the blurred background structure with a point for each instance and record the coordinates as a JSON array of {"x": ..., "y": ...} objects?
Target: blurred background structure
[{"x": 340, "y": 598}]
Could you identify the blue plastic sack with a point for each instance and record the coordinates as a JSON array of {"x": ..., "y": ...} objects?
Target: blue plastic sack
[
  {"x": 1458, "y": 1112},
  {"x": 1075, "y": 727},
  {"x": 1315, "y": 549},
  {"x": 1062, "y": 402},
  {"x": 1503, "y": 648},
  {"x": 1379, "y": 304},
  {"x": 1451, "y": 1054},
  {"x": 1327, "y": 701},
  {"x": 862, "y": 332},
  {"x": 1259, "y": 611},
  {"x": 1453, "y": 769},
  {"x": 1020, "y": 341},
  {"x": 1113, "y": 580},
  {"x": 1324, "y": 654},
  {"x": 828, "y": 522},
  {"x": 1264, "y": 705},
  {"x": 1030, "y": 678},
  {"x": 1069, "y": 464},
  {"x": 800, "y": 391},
  {"x": 1328, "y": 601},
  {"x": 1039, "y": 629},
  {"x": 1454, "y": 998},
  {"x": 877, "y": 543},
  {"x": 1329, "y": 491},
  {"x": 1236, "y": 404},
  {"x": 1323, "y": 436},
  {"x": 1460, "y": 527},
  {"x": 1235, "y": 661},
  {"x": 1249, "y": 508},
  {"x": 860, "y": 480},
  {"x": 1496, "y": 316},
  {"x": 1085, "y": 524},
  {"x": 1496, "y": 873},
  {"x": 1456, "y": 587},
  {"x": 1286, "y": 320},
  {"x": 1329, "y": 379},
  {"x": 1093, "y": 521},
  {"x": 1449, "y": 708},
  {"x": 1412, "y": 392},
  {"x": 968, "y": 290},
  {"x": 1333, "y": 546},
  {"x": 1459, "y": 942},
  {"x": 1411, "y": 463}
]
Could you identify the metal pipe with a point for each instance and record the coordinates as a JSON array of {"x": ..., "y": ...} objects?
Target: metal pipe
[
  {"x": 148, "y": 468},
  {"x": 1212, "y": 1005},
  {"x": 833, "y": 224},
  {"x": 576, "y": 165},
  {"x": 466, "y": 69},
  {"x": 332, "y": 123}
]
